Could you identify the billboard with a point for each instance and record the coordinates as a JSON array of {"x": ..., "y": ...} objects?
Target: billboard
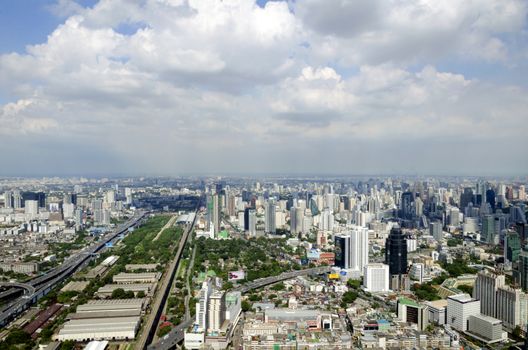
[
  {"x": 333, "y": 276},
  {"x": 236, "y": 275}
]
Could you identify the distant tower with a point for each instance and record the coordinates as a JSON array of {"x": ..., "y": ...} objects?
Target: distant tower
[{"x": 270, "y": 222}]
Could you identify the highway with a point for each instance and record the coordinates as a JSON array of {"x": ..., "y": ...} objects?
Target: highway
[
  {"x": 149, "y": 330},
  {"x": 43, "y": 284},
  {"x": 176, "y": 334}
]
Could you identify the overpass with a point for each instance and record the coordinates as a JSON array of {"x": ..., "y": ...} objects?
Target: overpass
[
  {"x": 176, "y": 335},
  {"x": 42, "y": 285}
]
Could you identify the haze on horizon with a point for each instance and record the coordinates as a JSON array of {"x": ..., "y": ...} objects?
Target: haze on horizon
[{"x": 245, "y": 87}]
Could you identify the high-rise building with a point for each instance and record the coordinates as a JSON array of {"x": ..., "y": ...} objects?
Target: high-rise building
[
  {"x": 396, "y": 252},
  {"x": 78, "y": 219},
  {"x": 488, "y": 229},
  {"x": 376, "y": 278},
  {"x": 216, "y": 214},
  {"x": 31, "y": 208},
  {"x": 270, "y": 222},
  {"x": 485, "y": 290},
  {"x": 459, "y": 308},
  {"x": 512, "y": 247},
  {"x": 435, "y": 230},
  {"x": 252, "y": 222},
  {"x": 202, "y": 304},
  {"x": 8, "y": 199},
  {"x": 216, "y": 311},
  {"x": 17, "y": 199},
  {"x": 342, "y": 251},
  {"x": 466, "y": 197},
  {"x": 490, "y": 198},
  {"x": 454, "y": 217},
  {"x": 407, "y": 205},
  {"x": 522, "y": 270},
  {"x": 512, "y": 307},
  {"x": 359, "y": 244}
]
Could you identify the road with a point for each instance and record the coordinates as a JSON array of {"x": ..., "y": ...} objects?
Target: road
[
  {"x": 188, "y": 285},
  {"x": 45, "y": 283},
  {"x": 176, "y": 335},
  {"x": 158, "y": 303}
]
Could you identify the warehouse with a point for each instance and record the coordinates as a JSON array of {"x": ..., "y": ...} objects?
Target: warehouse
[
  {"x": 145, "y": 277},
  {"x": 113, "y": 305},
  {"x": 110, "y": 328},
  {"x": 106, "y": 291},
  {"x": 141, "y": 267}
]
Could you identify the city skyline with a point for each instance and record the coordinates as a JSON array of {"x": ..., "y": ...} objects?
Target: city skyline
[{"x": 245, "y": 87}]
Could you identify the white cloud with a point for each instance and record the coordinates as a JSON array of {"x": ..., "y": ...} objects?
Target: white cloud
[{"x": 208, "y": 82}]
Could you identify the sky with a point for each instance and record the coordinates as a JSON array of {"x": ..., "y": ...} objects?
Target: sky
[{"x": 172, "y": 87}]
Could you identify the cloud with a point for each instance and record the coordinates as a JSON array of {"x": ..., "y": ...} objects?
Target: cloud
[{"x": 229, "y": 86}]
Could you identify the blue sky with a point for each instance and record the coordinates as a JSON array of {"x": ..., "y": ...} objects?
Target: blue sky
[{"x": 388, "y": 86}]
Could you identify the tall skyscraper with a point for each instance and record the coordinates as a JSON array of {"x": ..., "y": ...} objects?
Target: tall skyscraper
[
  {"x": 488, "y": 229},
  {"x": 396, "y": 252},
  {"x": 512, "y": 247},
  {"x": 485, "y": 290},
  {"x": 216, "y": 214},
  {"x": 435, "y": 230},
  {"x": 342, "y": 251},
  {"x": 358, "y": 248},
  {"x": 512, "y": 307},
  {"x": 407, "y": 205},
  {"x": 466, "y": 197},
  {"x": 8, "y": 199},
  {"x": 522, "y": 270},
  {"x": 252, "y": 222},
  {"x": 270, "y": 223}
]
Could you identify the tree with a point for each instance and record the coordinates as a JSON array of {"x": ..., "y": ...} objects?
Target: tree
[
  {"x": 246, "y": 306},
  {"x": 119, "y": 293},
  {"x": 349, "y": 297},
  {"x": 355, "y": 284},
  {"x": 141, "y": 294}
]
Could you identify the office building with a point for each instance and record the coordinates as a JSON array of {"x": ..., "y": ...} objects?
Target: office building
[
  {"x": 485, "y": 290},
  {"x": 396, "y": 252},
  {"x": 454, "y": 217},
  {"x": 202, "y": 304},
  {"x": 31, "y": 208},
  {"x": 522, "y": 270},
  {"x": 216, "y": 213},
  {"x": 8, "y": 199},
  {"x": 411, "y": 312},
  {"x": 407, "y": 206},
  {"x": 488, "y": 229},
  {"x": 512, "y": 246},
  {"x": 435, "y": 230},
  {"x": 342, "y": 251},
  {"x": 512, "y": 307},
  {"x": 376, "y": 278},
  {"x": 459, "y": 308},
  {"x": 252, "y": 222},
  {"x": 486, "y": 328},
  {"x": 270, "y": 222},
  {"x": 437, "y": 312}
]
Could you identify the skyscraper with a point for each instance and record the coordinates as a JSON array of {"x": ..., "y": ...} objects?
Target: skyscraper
[
  {"x": 488, "y": 229},
  {"x": 342, "y": 251},
  {"x": 216, "y": 311},
  {"x": 216, "y": 214},
  {"x": 485, "y": 290},
  {"x": 270, "y": 224},
  {"x": 252, "y": 222},
  {"x": 358, "y": 248},
  {"x": 396, "y": 252},
  {"x": 407, "y": 205},
  {"x": 522, "y": 271},
  {"x": 512, "y": 246}
]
